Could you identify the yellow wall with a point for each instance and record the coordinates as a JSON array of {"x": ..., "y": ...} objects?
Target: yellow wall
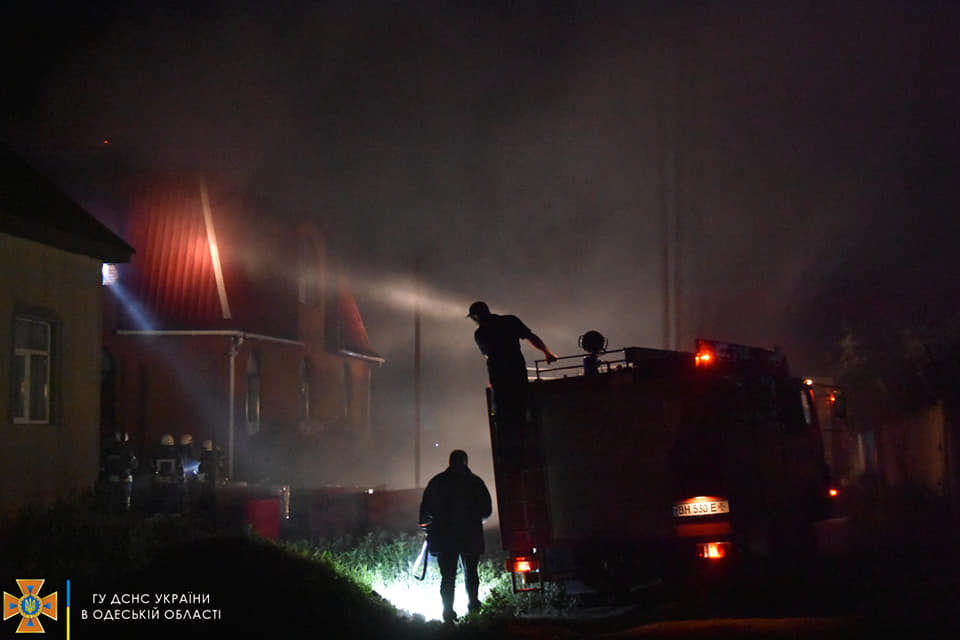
[{"x": 39, "y": 463}]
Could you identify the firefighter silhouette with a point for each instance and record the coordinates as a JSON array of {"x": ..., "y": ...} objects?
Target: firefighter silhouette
[
  {"x": 168, "y": 478},
  {"x": 117, "y": 466},
  {"x": 498, "y": 338},
  {"x": 454, "y": 506}
]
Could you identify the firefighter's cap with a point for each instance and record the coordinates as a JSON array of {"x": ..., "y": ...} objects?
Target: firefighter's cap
[{"x": 478, "y": 308}]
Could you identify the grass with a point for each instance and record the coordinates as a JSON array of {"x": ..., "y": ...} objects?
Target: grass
[{"x": 383, "y": 563}]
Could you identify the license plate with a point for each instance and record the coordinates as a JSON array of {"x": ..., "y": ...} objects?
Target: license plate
[{"x": 701, "y": 508}]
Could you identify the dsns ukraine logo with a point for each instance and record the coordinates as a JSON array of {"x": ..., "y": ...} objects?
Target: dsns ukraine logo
[{"x": 30, "y": 606}]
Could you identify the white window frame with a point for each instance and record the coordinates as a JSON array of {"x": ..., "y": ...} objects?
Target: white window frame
[{"x": 22, "y": 390}]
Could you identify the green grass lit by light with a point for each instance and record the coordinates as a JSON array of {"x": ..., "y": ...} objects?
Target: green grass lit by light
[{"x": 384, "y": 564}]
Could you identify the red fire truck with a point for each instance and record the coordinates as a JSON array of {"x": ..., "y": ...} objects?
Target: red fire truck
[{"x": 643, "y": 463}]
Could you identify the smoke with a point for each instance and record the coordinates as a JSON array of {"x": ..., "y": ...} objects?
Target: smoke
[
  {"x": 525, "y": 155},
  {"x": 402, "y": 294}
]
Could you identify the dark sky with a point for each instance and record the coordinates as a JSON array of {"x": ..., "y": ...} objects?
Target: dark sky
[{"x": 527, "y": 152}]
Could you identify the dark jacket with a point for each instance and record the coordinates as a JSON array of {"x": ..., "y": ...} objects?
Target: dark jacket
[
  {"x": 455, "y": 503},
  {"x": 498, "y": 338}
]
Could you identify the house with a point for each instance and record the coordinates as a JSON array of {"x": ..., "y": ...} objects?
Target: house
[
  {"x": 234, "y": 324},
  {"x": 51, "y": 257}
]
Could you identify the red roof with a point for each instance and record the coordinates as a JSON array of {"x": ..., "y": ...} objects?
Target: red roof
[
  {"x": 173, "y": 276},
  {"x": 350, "y": 333}
]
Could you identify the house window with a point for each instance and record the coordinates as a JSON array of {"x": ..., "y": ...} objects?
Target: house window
[
  {"x": 305, "y": 389},
  {"x": 253, "y": 394},
  {"x": 31, "y": 371}
]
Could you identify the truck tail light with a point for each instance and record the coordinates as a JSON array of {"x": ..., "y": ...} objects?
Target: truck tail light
[
  {"x": 525, "y": 572},
  {"x": 703, "y": 358},
  {"x": 833, "y": 492},
  {"x": 522, "y": 564},
  {"x": 714, "y": 550}
]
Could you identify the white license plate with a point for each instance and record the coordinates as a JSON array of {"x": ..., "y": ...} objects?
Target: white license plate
[{"x": 701, "y": 508}]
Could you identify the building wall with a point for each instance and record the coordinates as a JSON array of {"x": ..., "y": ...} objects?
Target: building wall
[
  {"x": 180, "y": 384},
  {"x": 914, "y": 451},
  {"x": 43, "y": 462},
  {"x": 281, "y": 406},
  {"x": 169, "y": 384}
]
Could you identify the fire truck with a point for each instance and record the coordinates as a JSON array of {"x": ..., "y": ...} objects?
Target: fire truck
[{"x": 643, "y": 463}]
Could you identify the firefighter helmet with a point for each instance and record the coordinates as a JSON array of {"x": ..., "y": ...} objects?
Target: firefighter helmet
[
  {"x": 186, "y": 439},
  {"x": 166, "y": 440},
  {"x": 207, "y": 445}
]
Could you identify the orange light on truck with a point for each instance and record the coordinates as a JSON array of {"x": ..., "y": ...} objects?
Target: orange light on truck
[
  {"x": 703, "y": 358},
  {"x": 833, "y": 493},
  {"x": 713, "y": 550},
  {"x": 522, "y": 565},
  {"x": 525, "y": 574}
]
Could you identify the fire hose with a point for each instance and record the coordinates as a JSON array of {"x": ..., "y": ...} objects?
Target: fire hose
[{"x": 420, "y": 564}]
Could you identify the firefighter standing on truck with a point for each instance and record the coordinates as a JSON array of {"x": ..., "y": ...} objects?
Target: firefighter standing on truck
[
  {"x": 498, "y": 338},
  {"x": 454, "y": 506}
]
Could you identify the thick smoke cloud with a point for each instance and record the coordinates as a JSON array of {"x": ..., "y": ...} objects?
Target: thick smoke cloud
[{"x": 526, "y": 156}]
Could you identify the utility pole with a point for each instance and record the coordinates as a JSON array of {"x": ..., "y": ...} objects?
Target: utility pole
[
  {"x": 416, "y": 372},
  {"x": 232, "y": 352}
]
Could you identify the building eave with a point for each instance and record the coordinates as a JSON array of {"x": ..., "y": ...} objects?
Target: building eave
[{"x": 243, "y": 335}]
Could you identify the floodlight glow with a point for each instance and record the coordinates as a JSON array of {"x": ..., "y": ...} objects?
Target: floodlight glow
[
  {"x": 108, "y": 274},
  {"x": 137, "y": 313},
  {"x": 423, "y": 598}
]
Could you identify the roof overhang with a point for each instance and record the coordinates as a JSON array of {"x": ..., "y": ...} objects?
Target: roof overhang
[{"x": 243, "y": 335}]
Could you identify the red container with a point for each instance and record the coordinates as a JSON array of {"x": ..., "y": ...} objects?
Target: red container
[{"x": 263, "y": 514}]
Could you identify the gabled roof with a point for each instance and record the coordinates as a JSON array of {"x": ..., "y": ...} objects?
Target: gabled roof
[
  {"x": 349, "y": 335},
  {"x": 31, "y": 207},
  {"x": 173, "y": 278}
]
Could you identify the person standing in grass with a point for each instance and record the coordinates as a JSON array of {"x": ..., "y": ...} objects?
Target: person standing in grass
[{"x": 454, "y": 506}]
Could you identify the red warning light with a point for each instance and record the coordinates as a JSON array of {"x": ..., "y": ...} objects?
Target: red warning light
[
  {"x": 713, "y": 550},
  {"x": 833, "y": 493},
  {"x": 522, "y": 565},
  {"x": 105, "y": 141},
  {"x": 704, "y": 357}
]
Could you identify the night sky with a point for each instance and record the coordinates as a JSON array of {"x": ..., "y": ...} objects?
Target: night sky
[{"x": 806, "y": 153}]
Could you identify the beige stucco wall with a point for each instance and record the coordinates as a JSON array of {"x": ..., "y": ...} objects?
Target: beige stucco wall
[{"x": 40, "y": 463}]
